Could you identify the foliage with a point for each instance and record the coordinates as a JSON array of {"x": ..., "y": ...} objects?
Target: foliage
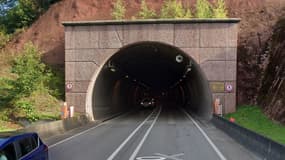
[
  {"x": 145, "y": 12},
  {"x": 119, "y": 10},
  {"x": 56, "y": 84},
  {"x": 204, "y": 9},
  {"x": 4, "y": 39},
  {"x": 16, "y": 14},
  {"x": 28, "y": 108},
  {"x": 23, "y": 14},
  {"x": 32, "y": 78},
  {"x": 251, "y": 117},
  {"x": 174, "y": 9},
  {"x": 220, "y": 11},
  {"x": 31, "y": 72}
]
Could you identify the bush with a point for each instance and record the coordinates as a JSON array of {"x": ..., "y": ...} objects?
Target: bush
[
  {"x": 220, "y": 11},
  {"x": 31, "y": 72},
  {"x": 119, "y": 10},
  {"x": 204, "y": 9},
  {"x": 15, "y": 14},
  {"x": 145, "y": 12},
  {"x": 33, "y": 82},
  {"x": 4, "y": 39},
  {"x": 28, "y": 109},
  {"x": 174, "y": 9}
]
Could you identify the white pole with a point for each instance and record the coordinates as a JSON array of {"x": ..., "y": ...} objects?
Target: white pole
[{"x": 71, "y": 111}]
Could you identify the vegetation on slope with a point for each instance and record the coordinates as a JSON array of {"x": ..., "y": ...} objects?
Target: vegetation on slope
[
  {"x": 253, "y": 118},
  {"x": 29, "y": 90},
  {"x": 175, "y": 9},
  {"x": 271, "y": 94},
  {"x": 32, "y": 91}
]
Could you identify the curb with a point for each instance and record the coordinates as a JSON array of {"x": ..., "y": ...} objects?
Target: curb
[{"x": 261, "y": 145}]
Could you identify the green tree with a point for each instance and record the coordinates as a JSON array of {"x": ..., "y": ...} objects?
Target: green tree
[
  {"x": 15, "y": 14},
  {"x": 220, "y": 10},
  {"x": 204, "y": 9},
  {"x": 31, "y": 72},
  {"x": 145, "y": 12},
  {"x": 174, "y": 9},
  {"x": 22, "y": 15},
  {"x": 119, "y": 10}
]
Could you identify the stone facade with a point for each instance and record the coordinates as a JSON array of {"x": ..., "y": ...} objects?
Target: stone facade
[{"x": 211, "y": 43}]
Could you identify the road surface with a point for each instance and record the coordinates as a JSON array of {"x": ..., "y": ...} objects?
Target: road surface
[{"x": 158, "y": 134}]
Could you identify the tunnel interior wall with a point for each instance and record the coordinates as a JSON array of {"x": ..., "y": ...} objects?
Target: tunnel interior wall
[{"x": 115, "y": 91}]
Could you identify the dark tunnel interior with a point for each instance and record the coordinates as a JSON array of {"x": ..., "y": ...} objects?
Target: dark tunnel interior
[{"x": 151, "y": 69}]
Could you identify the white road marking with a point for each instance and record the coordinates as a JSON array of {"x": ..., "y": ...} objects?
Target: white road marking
[
  {"x": 81, "y": 133},
  {"x": 112, "y": 156},
  {"x": 150, "y": 158},
  {"x": 219, "y": 153},
  {"x": 76, "y": 135},
  {"x": 133, "y": 156},
  {"x": 173, "y": 157},
  {"x": 159, "y": 156}
]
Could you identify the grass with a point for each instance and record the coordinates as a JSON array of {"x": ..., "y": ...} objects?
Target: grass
[
  {"x": 252, "y": 117},
  {"x": 8, "y": 126}
]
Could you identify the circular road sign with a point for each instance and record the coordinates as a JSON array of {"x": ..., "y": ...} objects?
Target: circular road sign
[
  {"x": 69, "y": 86},
  {"x": 229, "y": 88}
]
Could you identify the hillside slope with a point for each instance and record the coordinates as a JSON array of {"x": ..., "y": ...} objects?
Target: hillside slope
[
  {"x": 258, "y": 18},
  {"x": 272, "y": 92}
]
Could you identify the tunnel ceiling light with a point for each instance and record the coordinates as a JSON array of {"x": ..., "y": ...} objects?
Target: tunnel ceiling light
[
  {"x": 179, "y": 58},
  {"x": 113, "y": 69},
  {"x": 126, "y": 76},
  {"x": 188, "y": 69},
  {"x": 111, "y": 66}
]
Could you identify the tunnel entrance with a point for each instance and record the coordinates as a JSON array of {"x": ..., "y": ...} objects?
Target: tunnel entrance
[{"x": 150, "y": 69}]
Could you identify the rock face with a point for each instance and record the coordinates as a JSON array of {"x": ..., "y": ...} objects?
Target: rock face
[
  {"x": 272, "y": 92},
  {"x": 258, "y": 18}
]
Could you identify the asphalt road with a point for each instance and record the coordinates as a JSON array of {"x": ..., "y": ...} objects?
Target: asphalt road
[{"x": 159, "y": 134}]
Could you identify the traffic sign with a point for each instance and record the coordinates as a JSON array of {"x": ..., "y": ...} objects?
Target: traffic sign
[
  {"x": 68, "y": 85},
  {"x": 229, "y": 87}
]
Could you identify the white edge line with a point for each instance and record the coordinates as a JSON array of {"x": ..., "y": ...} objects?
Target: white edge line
[
  {"x": 83, "y": 132},
  {"x": 133, "y": 156},
  {"x": 76, "y": 135},
  {"x": 222, "y": 157},
  {"x": 112, "y": 156}
]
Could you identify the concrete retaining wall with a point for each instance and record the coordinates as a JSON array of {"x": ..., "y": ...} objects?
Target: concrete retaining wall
[
  {"x": 257, "y": 143},
  {"x": 57, "y": 127}
]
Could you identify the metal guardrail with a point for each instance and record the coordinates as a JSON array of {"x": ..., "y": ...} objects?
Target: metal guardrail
[{"x": 261, "y": 145}]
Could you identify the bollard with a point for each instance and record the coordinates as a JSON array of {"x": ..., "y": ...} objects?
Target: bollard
[
  {"x": 64, "y": 111},
  {"x": 71, "y": 111}
]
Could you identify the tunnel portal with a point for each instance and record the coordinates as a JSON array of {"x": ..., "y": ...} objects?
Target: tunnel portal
[{"x": 112, "y": 65}]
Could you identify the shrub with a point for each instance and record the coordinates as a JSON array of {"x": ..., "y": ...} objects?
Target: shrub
[
  {"x": 174, "y": 9},
  {"x": 145, "y": 12},
  {"x": 204, "y": 9},
  {"x": 220, "y": 10},
  {"x": 119, "y": 10},
  {"x": 31, "y": 72},
  {"x": 4, "y": 39},
  {"x": 28, "y": 109},
  {"x": 33, "y": 87}
]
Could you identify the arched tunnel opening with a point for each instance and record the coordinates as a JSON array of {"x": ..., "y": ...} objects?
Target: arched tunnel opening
[{"x": 151, "y": 69}]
